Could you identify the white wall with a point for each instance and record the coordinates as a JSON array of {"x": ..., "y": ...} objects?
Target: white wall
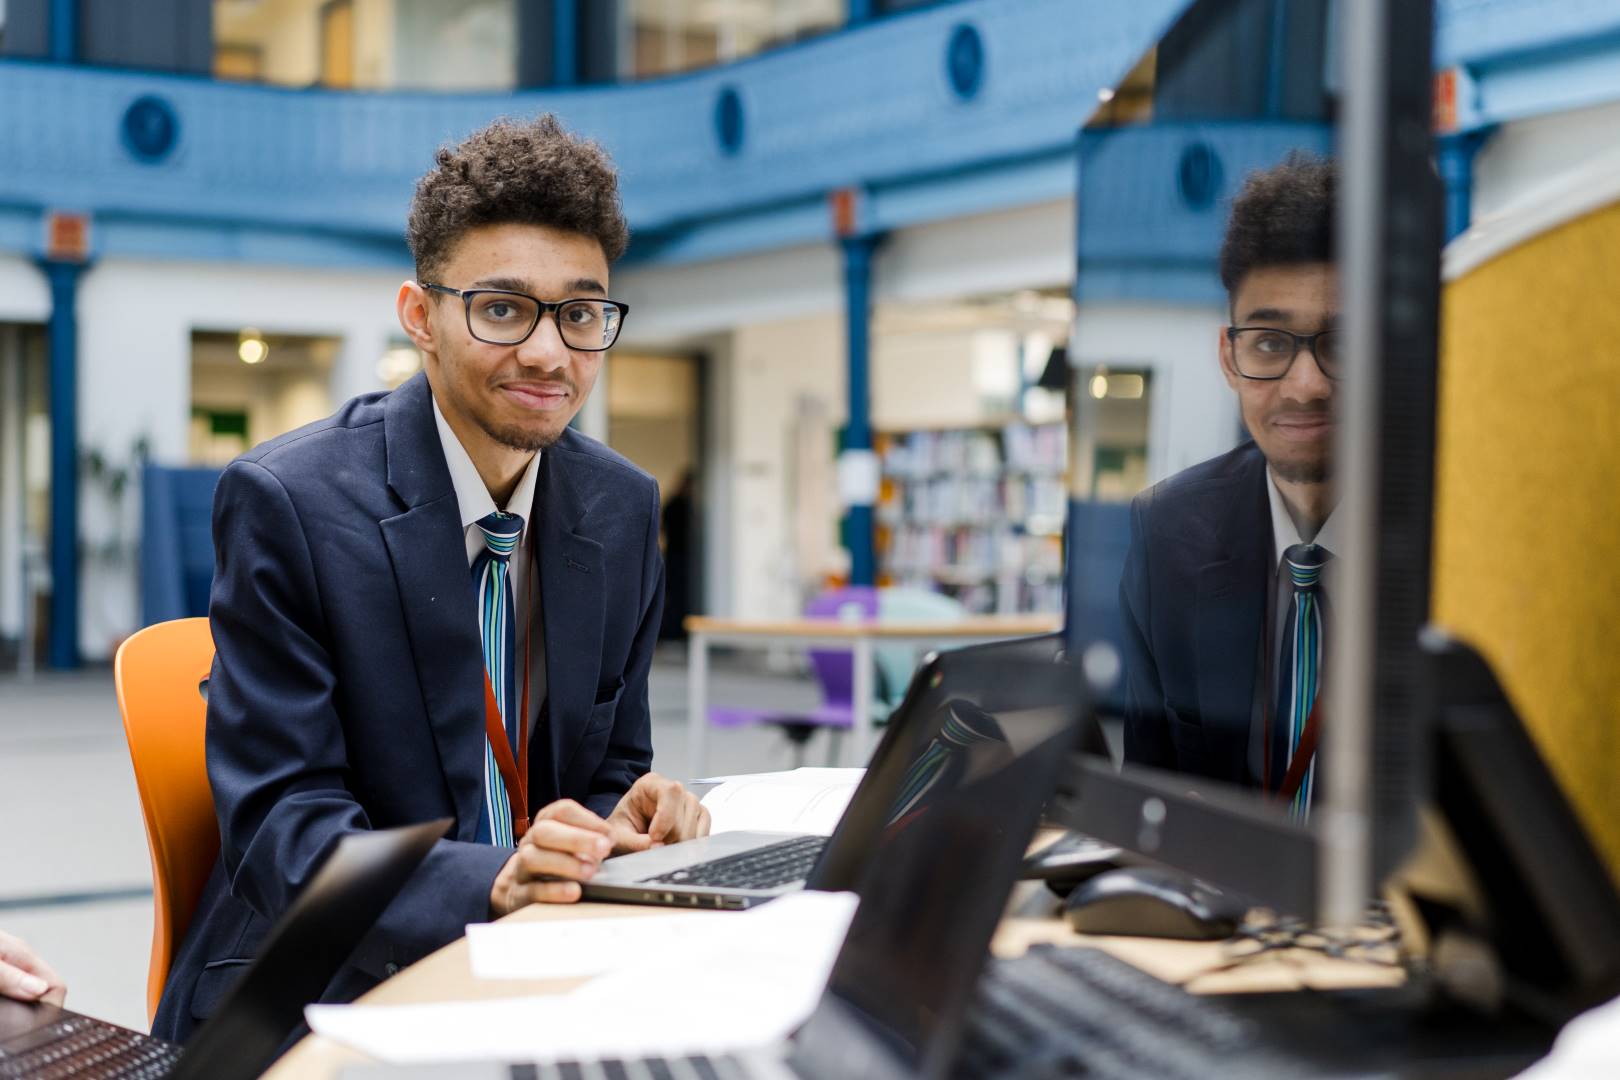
[
  {"x": 135, "y": 324},
  {"x": 24, "y": 295},
  {"x": 1525, "y": 153},
  {"x": 670, "y": 304},
  {"x": 776, "y": 367},
  {"x": 1194, "y": 414}
]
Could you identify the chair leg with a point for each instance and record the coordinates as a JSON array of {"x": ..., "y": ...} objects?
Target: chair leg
[{"x": 835, "y": 746}]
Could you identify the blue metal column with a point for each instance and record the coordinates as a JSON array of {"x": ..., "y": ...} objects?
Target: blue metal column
[
  {"x": 857, "y": 450},
  {"x": 1457, "y": 152},
  {"x": 860, "y": 11},
  {"x": 63, "y": 32},
  {"x": 63, "y": 646},
  {"x": 564, "y": 42}
]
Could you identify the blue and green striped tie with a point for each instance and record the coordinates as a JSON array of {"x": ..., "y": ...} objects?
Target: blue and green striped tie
[
  {"x": 492, "y": 578},
  {"x": 1299, "y": 669}
]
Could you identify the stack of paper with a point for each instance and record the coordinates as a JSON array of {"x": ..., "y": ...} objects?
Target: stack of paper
[
  {"x": 725, "y": 982},
  {"x": 804, "y": 800}
]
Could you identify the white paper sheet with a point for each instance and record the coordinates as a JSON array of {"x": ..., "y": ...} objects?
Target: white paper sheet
[
  {"x": 1587, "y": 1049},
  {"x": 807, "y": 800},
  {"x": 697, "y": 993},
  {"x": 583, "y": 947}
]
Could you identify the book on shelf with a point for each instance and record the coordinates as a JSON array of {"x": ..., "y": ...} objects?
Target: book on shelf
[{"x": 977, "y": 514}]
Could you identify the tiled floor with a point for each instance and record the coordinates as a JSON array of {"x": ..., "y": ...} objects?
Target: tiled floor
[{"x": 74, "y": 877}]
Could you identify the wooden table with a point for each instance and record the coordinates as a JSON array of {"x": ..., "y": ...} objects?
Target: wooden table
[
  {"x": 859, "y": 636},
  {"x": 1200, "y": 966}
]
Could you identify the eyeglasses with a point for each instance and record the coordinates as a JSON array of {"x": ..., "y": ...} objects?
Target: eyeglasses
[
  {"x": 498, "y": 317},
  {"x": 1264, "y": 352}
]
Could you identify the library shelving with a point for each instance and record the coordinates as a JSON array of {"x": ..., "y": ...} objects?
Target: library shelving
[{"x": 976, "y": 513}]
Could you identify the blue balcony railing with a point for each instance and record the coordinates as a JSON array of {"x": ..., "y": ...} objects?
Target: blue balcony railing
[{"x": 937, "y": 92}]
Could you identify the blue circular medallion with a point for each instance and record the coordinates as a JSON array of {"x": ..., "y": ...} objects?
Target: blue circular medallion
[
  {"x": 150, "y": 128},
  {"x": 1199, "y": 176},
  {"x": 964, "y": 61},
  {"x": 728, "y": 120}
]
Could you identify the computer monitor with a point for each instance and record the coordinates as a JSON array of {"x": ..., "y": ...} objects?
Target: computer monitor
[
  {"x": 1286, "y": 733},
  {"x": 1187, "y": 315}
]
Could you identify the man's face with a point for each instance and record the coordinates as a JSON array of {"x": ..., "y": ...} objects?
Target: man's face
[
  {"x": 522, "y": 396},
  {"x": 1291, "y": 418}
]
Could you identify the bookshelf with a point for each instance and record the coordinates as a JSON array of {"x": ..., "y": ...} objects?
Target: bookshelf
[{"x": 977, "y": 514}]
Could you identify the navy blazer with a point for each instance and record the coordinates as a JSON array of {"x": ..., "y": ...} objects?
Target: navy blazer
[
  {"x": 348, "y": 692},
  {"x": 1193, "y": 599}
]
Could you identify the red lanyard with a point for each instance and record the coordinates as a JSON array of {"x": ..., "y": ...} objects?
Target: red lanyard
[{"x": 514, "y": 774}]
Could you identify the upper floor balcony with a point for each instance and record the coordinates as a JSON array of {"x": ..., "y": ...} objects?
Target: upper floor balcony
[{"x": 948, "y": 109}]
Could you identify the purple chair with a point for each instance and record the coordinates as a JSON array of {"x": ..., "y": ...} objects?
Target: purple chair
[{"x": 835, "y": 672}]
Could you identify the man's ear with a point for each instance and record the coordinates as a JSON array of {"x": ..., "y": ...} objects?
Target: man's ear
[
  {"x": 411, "y": 305},
  {"x": 1228, "y": 365}
]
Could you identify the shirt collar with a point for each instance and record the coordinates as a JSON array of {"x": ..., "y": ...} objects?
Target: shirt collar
[
  {"x": 472, "y": 497},
  {"x": 1283, "y": 532}
]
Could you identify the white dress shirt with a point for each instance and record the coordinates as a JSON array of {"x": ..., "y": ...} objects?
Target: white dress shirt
[{"x": 475, "y": 503}]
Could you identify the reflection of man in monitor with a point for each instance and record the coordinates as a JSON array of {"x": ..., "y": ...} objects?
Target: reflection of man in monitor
[
  {"x": 1223, "y": 594},
  {"x": 970, "y": 740}
]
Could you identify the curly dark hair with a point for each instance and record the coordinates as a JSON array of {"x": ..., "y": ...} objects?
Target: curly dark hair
[
  {"x": 1283, "y": 216},
  {"x": 525, "y": 172}
]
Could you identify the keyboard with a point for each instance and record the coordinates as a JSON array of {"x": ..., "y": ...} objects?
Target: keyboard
[
  {"x": 762, "y": 868},
  {"x": 1076, "y": 1012},
  {"x": 80, "y": 1047}
]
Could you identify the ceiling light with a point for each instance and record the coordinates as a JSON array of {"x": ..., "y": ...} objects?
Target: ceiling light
[{"x": 251, "y": 347}]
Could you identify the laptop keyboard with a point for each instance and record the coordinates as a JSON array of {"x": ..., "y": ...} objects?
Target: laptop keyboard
[
  {"x": 687, "y": 1068},
  {"x": 1076, "y": 1012},
  {"x": 78, "y": 1046},
  {"x": 762, "y": 868}
]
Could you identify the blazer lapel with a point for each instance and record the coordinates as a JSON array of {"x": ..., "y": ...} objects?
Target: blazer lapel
[
  {"x": 429, "y": 557},
  {"x": 573, "y": 605},
  {"x": 1229, "y": 617}
]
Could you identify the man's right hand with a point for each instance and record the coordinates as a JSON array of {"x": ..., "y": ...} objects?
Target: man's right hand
[{"x": 562, "y": 848}]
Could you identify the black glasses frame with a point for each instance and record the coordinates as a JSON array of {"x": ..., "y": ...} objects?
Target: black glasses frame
[
  {"x": 1307, "y": 341},
  {"x": 542, "y": 307}
]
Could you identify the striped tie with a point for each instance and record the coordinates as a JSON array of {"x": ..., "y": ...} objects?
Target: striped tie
[
  {"x": 1299, "y": 668},
  {"x": 491, "y": 574}
]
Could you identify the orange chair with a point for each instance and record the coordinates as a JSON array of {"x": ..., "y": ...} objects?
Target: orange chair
[{"x": 159, "y": 673}]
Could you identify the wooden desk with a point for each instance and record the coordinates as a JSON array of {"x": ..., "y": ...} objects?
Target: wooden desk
[
  {"x": 447, "y": 975},
  {"x": 859, "y": 636}
]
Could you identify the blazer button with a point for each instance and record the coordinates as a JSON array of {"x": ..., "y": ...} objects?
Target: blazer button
[{"x": 391, "y": 968}]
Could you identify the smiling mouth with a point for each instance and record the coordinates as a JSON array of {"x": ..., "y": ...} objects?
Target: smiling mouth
[
  {"x": 1303, "y": 427},
  {"x": 539, "y": 397}
]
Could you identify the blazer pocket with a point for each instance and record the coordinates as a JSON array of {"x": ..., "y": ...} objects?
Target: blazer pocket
[
  {"x": 214, "y": 983},
  {"x": 1188, "y": 738},
  {"x": 610, "y": 693}
]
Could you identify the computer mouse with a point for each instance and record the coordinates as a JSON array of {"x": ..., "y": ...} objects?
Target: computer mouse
[
  {"x": 1151, "y": 901},
  {"x": 1071, "y": 859}
]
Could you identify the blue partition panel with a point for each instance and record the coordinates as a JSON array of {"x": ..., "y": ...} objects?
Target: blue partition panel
[{"x": 177, "y": 550}]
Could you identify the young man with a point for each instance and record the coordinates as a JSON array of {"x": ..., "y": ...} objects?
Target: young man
[
  {"x": 1223, "y": 593},
  {"x": 440, "y": 601}
]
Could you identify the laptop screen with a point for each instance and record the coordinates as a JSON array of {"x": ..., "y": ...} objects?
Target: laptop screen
[
  {"x": 909, "y": 735},
  {"x": 941, "y": 867}
]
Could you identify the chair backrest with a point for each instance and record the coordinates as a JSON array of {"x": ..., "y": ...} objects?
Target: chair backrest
[
  {"x": 159, "y": 674},
  {"x": 835, "y": 668}
]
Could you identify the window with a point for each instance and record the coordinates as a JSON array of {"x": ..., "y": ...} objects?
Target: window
[{"x": 669, "y": 36}]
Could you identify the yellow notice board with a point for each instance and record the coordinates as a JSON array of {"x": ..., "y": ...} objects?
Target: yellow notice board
[{"x": 1527, "y": 525}]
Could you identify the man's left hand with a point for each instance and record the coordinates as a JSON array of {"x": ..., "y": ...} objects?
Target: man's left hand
[{"x": 656, "y": 811}]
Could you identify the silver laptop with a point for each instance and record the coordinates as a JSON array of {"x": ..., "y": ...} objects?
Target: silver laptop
[
  {"x": 931, "y": 896},
  {"x": 734, "y": 870},
  {"x": 304, "y": 950}
]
